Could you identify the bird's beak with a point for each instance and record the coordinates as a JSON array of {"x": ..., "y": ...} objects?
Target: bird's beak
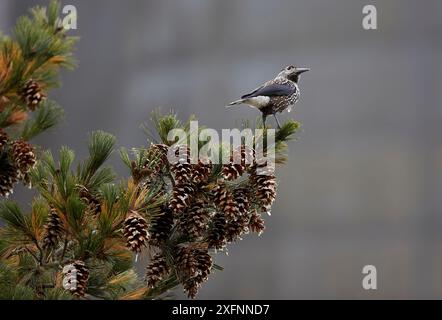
[{"x": 302, "y": 70}]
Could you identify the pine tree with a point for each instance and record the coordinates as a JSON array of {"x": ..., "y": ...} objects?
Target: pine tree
[{"x": 84, "y": 229}]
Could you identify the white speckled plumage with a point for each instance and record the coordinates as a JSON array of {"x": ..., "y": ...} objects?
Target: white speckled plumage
[{"x": 276, "y": 95}]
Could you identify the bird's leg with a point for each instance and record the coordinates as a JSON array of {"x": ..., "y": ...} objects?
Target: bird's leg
[
  {"x": 277, "y": 121},
  {"x": 264, "y": 117}
]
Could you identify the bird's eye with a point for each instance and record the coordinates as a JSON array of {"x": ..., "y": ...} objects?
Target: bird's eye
[{"x": 290, "y": 67}]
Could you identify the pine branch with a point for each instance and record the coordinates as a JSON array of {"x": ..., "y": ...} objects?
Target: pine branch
[
  {"x": 30, "y": 63},
  {"x": 47, "y": 116},
  {"x": 82, "y": 220},
  {"x": 100, "y": 148},
  {"x": 13, "y": 216}
]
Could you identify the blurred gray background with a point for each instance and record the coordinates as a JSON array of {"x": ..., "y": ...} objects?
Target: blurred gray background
[{"x": 364, "y": 181}]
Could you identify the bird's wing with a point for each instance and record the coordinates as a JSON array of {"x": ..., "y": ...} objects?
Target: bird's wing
[{"x": 270, "y": 90}]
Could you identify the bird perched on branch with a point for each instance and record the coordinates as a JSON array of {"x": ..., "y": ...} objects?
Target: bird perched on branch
[{"x": 275, "y": 95}]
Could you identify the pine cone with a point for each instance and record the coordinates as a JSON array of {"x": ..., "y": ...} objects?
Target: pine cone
[
  {"x": 156, "y": 270},
  {"x": 8, "y": 177},
  {"x": 32, "y": 94},
  {"x": 264, "y": 185},
  {"x": 160, "y": 151},
  {"x": 236, "y": 228},
  {"x": 23, "y": 156},
  {"x": 247, "y": 156},
  {"x": 159, "y": 159},
  {"x": 195, "y": 266},
  {"x": 92, "y": 202},
  {"x": 181, "y": 198},
  {"x": 201, "y": 172},
  {"x": 242, "y": 201},
  {"x": 218, "y": 232},
  {"x": 232, "y": 171},
  {"x": 3, "y": 139},
  {"x": 194, "y": 222},
  {"x": 224, "y": 200},
  {"x": 241, "y": 160},
  {"x": 154, "y": 165},
  {"x": 256, "y": 223},
  {"x": 191, "y": 287},
  {"x": 186, "y": 262},
  {"x": 53, "y": 229},
  {"x": 161, "y": 226},
  {"x": 182, "y": 170},
  {"x": 135, "y": 232},
  {"x": 204, "y": 264},
  {"x": 76, "y": 276}
]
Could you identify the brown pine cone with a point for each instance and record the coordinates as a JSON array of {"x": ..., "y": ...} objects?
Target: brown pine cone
[
  {"x": 195, "y": 266},
  {"x": 76, "y": 276},
  {"x": 204, "y": 264},
  {"x": 156, "y": 270},
  {"x": 161, "y": 226},
  {"x": 264, "y": 185},
  {"x": 201, "y": 172},
  {"x": 186, "y": 262},
  {"x": 32, "y": 94},
  {"x": 23, "y": 156},
  {"x": 236, "y": 228},
  {"x": 191, "y": 287},
  {"x": 241, "y": 160},
  {"x": 256, "y": 223},
  {"x": 8, "y": 176},
  {"x": 241, "y": 197},
  {"x": 155, "y": 164},
  {"x": 217, "y": 232},
  {"x": 159, "y": 160},
  {"x": 181, "y": 197},
  {"x": 135, "y": 231},
  {"x": 53, "y": 229},
  {"x": 247, "y": 156},
  {"x": 92, "y": 202},
  {"x": 3, "y": 139},
  {"x": 182, "y": 170},
  {"x": 224, "y": 201},
  {"x": 232, "y": 171},
  {"x": 194, "y": 222}
]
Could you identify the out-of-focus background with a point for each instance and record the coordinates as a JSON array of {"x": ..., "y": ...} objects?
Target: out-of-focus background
[{"x": 364, "y": 181}]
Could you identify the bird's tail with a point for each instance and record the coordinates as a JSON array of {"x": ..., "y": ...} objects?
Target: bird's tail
[{"x": 235, "y": 103}]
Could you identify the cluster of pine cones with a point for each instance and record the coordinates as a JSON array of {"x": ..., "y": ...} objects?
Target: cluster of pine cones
[
  {"x": 208, "y": 206},
  {"x": 16, "y": 159}
]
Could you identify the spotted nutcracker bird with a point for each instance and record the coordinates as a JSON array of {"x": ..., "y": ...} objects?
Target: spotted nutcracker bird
[{"x": 275, "y": 95}]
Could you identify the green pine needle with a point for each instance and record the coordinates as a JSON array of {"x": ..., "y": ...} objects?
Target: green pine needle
[
  {"x": 100, "y": 148},
  {"x": 47, "y": 116}
]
